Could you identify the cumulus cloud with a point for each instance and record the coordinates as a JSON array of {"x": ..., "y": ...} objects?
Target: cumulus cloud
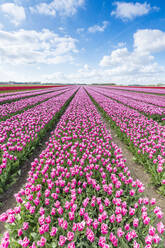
[
  {"x": 32, "y": 47},
  {"x": 62, "y": 7},
  {"x": 130, "y": 10},
  {"x": 92, "y": 75},
  {"x": 139, "y": 63},
  {"x": 124, "y": 66},
  {"x": 97, "y": 28},
  {"x": 151, "y": 40},
  {"x": 121, "y": 44},
  {"x": 83, "y": 75},
  {"x": 130, "y": 61},
  {"x": 24, "y": 47},
  {"x": 14, "y": 12}
]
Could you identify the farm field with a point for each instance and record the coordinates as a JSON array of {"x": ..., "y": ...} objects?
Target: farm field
[
  {"x": 80, "y": 189},
  {"x": 145, "y": 89},
  {"x": 15, "y": 88},
  {"x": 25, "y": 101}
]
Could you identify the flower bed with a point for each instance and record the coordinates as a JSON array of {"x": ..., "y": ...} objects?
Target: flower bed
[
  {"x": 15, "y": 97},
  {"x": 22, "y": 132},
  {"x": 27, "y": 87},
  {"x": 148, "y": 98},
  {"x": 12, "y": 93},
  {"x": 9, "y": 108},
  {"x": 80, "y": 193},
  {"x": 152, "y": 90},
  {"x": 145, "y": 137},
  {"x": 150, "y": 110}
]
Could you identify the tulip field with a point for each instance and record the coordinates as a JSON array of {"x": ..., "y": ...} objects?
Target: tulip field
[
  {"x": 145, "y": 136},
  {"x": 79, "y": 192}
]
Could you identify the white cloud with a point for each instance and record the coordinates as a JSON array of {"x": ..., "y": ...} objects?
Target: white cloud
[
  {"x": 62, "y": 7},
  {"x": 32, "y": 47},
  {"x": 97, "y": 28},
  {"x": 86, "y": 66},
  {"x": 19, "y": 48},
  {"x": 140, "y": 63},
  {"x": 83, "y": 75},
  {"x": 80, "y": 30},
  {"x": 61, "y": 29},
  {"x": 151, "y": 40},
  {"x": 98, "y": 75},
  {"x": 15, "y": 13},
  {"x": 130, "y": 10},
  {"x": 44, "y": 8},
  {"x": 87, "y": 74},
  {"x": 121, "y": 44},
  {"x": 121, "y": 61}
]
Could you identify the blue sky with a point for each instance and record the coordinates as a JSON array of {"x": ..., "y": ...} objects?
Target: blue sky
[{"x": 82, "y": 41}]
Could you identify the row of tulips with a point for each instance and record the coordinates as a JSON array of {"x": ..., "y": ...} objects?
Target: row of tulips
[
  {"x": 12, "y": 98},
  {"x": 20, "y": 92},
  {"x": 20, "y": 133},
  {"x": 145, "y": 137},
  {"x": 26, "y": 87},
  {"x": 153, "y": 111},
  {"x": 80, "y": 193},
  {"x": 10, "y": 108},
  {"x": 152, "y": 90},
  {"x": 148, "y": 98}
]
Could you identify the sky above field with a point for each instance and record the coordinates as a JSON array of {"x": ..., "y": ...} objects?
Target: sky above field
[{"x": 82, "y": 41}]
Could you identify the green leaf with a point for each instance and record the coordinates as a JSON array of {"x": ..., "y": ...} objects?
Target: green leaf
[
  {"x": 34, "y": 235},
  {"x": 53, "y": 245}
]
